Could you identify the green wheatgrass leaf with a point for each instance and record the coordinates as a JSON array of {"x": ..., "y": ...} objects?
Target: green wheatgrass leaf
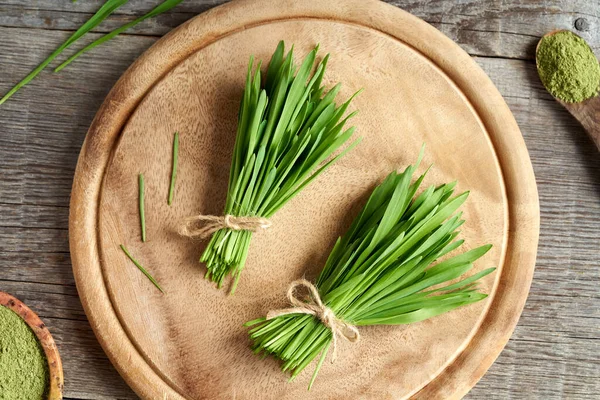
[
  {"x": 383, "y": 271},
  {"x": 107, "y": 8},
  {"x": 161, "y": 8},
  {"x": 321, "y": 360},
  {"x": 137, "y": 264},
  {"x": 174, "y": 168},
  {"x": 142, "y": 206},
  {"x": 289, "y": 132}
]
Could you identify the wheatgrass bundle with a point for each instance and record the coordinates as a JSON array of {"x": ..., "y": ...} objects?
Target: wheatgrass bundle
[
  {"x": 381, "y": 272},
  {"x": 287, "y": 134}
]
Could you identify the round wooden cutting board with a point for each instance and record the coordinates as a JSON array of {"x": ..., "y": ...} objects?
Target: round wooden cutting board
[{"x": 419, "y": 87}]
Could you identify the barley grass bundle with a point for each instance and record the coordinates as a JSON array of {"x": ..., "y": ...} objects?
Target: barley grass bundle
[
  {"x": 287, "y": 135},
  {"x": 381, "y": 272}
]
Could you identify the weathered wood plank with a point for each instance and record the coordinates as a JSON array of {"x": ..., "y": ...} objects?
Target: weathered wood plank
[
  {"x": 34, "y": 240},
  {"x": 81, "y": 90},
  {"x": 25, "y": 216},
  {"x": 52, "y": 301},
  {"x": 554, "y": 351},
  {"x": 505, "y": 28},
  {"x": 489, "y": 28},
  {"x": 134, "y": 7},
  {"x": 24, "y": 17},
  {"x": 44, "y": 124},
  {"x": 88, "y": 373},
  {"x": 39, "y": 268},
  {"x": 552, "y": 372}
]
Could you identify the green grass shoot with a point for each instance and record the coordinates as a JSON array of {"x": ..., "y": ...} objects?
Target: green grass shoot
[
  {"x": 142, "y": 206},
  {"x": 107, "y": 8},
  {"x": 137, "y": 264},
  {"x": 174, "y": 168},
  {"x": 161, "y": 8}
]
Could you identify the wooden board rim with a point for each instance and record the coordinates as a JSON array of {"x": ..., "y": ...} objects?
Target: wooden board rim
[{"x": 123, "y": 99}]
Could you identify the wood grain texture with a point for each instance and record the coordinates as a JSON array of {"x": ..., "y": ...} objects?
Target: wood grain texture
[
  {"x": 553, "y": 353},
  {"x": 204, "y": 111},
  {"x": 88, "y": 373},
  {"x": 436, "y": 89},
  {"x": 490, "y": 28},
  {"x": 588, "y": 114}
]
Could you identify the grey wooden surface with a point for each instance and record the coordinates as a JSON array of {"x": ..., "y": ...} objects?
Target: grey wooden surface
[{"x": 554, "y": 352}]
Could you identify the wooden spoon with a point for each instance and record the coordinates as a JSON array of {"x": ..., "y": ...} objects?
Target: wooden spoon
[
  {"x": 55, "y": 390},
  {"x": 586, "y": 112}
]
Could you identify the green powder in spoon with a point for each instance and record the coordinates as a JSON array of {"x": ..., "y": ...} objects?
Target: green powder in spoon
[
  {"x": 23, "y": 366},
  {"x": 568, "y": 67}
]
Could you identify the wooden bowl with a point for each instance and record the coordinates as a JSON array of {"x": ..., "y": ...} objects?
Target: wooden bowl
[{"x": 56, "y": 380}]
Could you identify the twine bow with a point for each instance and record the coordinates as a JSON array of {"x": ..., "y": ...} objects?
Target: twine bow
[
  {"x": 202, "y": 226},
  {"x": 316, "y": 307}
]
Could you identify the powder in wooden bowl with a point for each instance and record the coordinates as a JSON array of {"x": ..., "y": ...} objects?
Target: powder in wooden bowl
[{"x": 23, "y": 365}]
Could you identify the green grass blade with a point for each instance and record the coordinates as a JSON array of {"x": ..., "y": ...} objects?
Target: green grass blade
[
  {"x": 464, "y": 258},
  {"x": 468, "y": 281},
  {"x": 318, "y": 368},
  {"x": 423, "y": 313},
  {"x": 104, "y": 11},
  {"x": 137, "y": 264},
  {"x": 174, "y": 168},
  {"x": 161, "y": 8},
  {"x": 142, "y": 206},
  {"x": 274, "y": 67}
]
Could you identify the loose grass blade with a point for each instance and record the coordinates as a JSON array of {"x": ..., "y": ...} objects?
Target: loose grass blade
[
  {"x": 107, "y": 8},
  {"x": 161, "y": 8}
]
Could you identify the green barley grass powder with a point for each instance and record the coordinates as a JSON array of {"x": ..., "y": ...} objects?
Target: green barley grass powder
[
  {"x": 23, "y": 366},
  {"x": 568, "y": 67}
]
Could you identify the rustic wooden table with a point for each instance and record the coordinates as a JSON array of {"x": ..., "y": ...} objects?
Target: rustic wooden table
[{"x": 554, "y": 352}]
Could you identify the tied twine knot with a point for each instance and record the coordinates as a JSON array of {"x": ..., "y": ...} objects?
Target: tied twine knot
[
  {"x": 316, "y": 307},
  {"x": 202, "y": 226}
]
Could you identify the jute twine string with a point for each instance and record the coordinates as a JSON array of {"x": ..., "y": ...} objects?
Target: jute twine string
[
  {"x": 316, "y": 307},
  {"x": 202, "y": 226}
]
